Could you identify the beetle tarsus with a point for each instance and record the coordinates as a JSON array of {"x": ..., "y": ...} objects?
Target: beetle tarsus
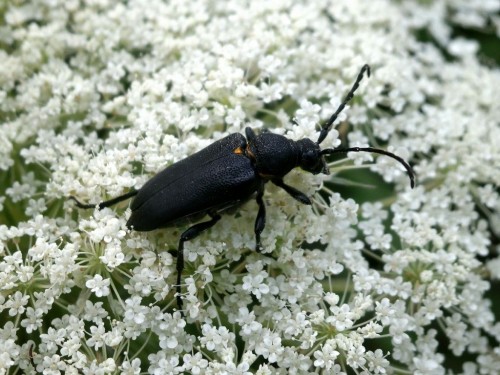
[
  {"x": 80, "y": 204},
  {"x": 31, "y": 355}
]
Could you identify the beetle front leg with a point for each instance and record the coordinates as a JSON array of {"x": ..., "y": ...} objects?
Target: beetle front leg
[
  {"x": 260, "y": 221},
  {"x": 187, "y": 235},
  {"x": 297, "y": 194}
]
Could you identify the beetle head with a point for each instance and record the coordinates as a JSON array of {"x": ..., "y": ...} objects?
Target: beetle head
[
  {"x": 311, "y": 159},
  {"x": 275, "y": 155}
]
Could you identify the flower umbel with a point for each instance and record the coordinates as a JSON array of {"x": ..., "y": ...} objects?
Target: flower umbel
[{"x": 96, "y": 97}]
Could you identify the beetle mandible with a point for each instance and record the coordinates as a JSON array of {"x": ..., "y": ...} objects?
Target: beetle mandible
[{"x": 226, "y": 174}]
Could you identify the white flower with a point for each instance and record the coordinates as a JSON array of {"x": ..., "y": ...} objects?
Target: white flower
[
  {"x": 216, "y": 339},
  {"x": 269, "y": 346},
  {"x": 16, "y": 304},
  {"x": 194, "y": 363},
  {"x": 342, "y": 317},
  {"x": 131, "y": 367},
  {"x": 325, "y": 358},
  {"x": 356, "y": 357},
  {"x": 307, "y": 115},
  {"x": 255, "y": 284},
  {"x": 98, "y": 285},
  {"x": 33, "y": 319},
  {"x": 96, "y": 336}
]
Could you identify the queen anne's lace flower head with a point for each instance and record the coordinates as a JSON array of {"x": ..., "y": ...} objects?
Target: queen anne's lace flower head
[{"x": 97, "y": 96}]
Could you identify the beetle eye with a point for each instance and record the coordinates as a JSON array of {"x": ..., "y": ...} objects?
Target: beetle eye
[
  {"x": 311, "y": 161},
  {"x": 309, "y": 157}
]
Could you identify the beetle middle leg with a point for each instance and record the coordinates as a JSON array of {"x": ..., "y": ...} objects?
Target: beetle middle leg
[
  {"x": 189, "y": 234},
  {"x": 260, "y": 221}
]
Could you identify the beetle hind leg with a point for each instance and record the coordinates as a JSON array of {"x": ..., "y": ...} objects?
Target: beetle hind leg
[
  {"x": 187, "y": 235},
  {"x": 108, "y": 203}
]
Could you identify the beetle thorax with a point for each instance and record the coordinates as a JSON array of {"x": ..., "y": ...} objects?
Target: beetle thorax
[{"x": 274, "y": 155}]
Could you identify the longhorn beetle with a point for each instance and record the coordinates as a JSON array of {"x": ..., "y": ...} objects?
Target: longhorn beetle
[{"x": 226, "y": 174}]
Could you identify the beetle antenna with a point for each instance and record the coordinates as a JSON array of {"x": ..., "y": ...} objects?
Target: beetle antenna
[
  {"x": 409, "y": 169},
  {"x": 328, "y": 125},
  {"x": 101, "y": 205}
]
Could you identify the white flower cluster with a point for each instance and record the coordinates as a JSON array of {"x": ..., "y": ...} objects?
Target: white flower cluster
[{"x": 97, "y": 95}]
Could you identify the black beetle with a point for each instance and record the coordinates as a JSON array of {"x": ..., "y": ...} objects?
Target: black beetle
[{"x": 226, "y": 174}]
